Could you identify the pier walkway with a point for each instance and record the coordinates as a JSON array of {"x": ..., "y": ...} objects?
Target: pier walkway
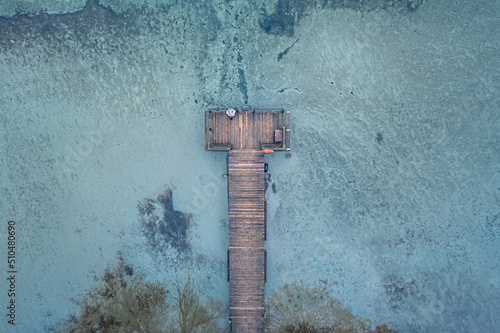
[
  {"x": 246, "y": 239},
  {"x": 244, "y": 137}
]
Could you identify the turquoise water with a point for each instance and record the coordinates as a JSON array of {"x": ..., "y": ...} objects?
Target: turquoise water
[{"x": 392, "y": 195}]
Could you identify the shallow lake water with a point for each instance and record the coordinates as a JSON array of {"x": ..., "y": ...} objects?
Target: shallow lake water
[{"x": 391, "y": 198}]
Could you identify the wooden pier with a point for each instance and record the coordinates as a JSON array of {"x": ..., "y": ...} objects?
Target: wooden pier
[
  {"x": 249, "y": 129},
  {"x": 246, "y": 239},
  {"x": 245, "y": 136}
]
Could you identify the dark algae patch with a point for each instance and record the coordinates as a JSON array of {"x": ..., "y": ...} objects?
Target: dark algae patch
[
  {"x": 288, "y": 13},
  {"x": 242, "y": 85},
  {"x": 282, "y": 21},
  {"x": 282, "y": 54},
  {"x": 163, "y": 226}
]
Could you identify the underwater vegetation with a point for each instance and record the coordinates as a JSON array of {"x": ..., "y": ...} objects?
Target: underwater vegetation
[
  {"x": 287, "y": 13},
  {"x": 124, "y": 302},
  {"x": 301, "y": 309},
  {"x": 163, "y": 226}
]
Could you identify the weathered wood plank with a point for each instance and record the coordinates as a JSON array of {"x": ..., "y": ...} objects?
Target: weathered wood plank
[
  {"x": 246, "y": 235},
  {"x": 247, "y": 130}
]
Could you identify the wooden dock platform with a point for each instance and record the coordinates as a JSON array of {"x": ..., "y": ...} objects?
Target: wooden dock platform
[
  {"x": 245, "y": 136},
  {"x": 249, "y": 129}
]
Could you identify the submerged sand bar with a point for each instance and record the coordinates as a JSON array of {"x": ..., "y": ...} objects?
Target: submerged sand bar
[{"x": 245, "y": 136}]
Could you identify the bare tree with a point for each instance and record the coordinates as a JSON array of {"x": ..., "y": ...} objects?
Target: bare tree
[
  {"x": 300, "y": 309},
  {"x": 125, "y": 303},
  {"x": 194, "y": 315},
  {"x": 121, "y": 303}
]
